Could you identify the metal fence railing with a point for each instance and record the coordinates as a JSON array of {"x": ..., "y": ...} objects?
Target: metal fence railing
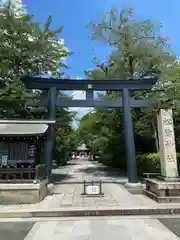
[{"x": 23, "y": 175}]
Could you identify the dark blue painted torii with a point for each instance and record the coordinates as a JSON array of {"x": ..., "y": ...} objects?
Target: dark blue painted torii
[{"x": 53, "y": 101}]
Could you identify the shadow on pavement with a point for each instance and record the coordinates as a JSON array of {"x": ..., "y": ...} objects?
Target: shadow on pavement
[
  {"x": 15, "y": 231},
  {"x": 103, "y": 171},
  {"x": 71, "y": 164},
  {"x": 173, "y": 224},
  {"x": 56, "y": 178}
]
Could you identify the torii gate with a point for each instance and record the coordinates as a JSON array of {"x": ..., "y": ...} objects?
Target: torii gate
[{"x": 52, "y": 101}]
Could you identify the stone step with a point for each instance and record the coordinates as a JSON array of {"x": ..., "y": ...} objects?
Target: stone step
[{"x": 140, "y": 211}]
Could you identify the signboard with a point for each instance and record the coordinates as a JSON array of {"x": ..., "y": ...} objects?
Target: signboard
[
  {"x": 4, "y": 160},
  {"x": 93, "y": 189}
]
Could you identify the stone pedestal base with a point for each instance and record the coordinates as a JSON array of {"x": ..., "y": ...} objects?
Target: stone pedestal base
[
  {"x": 168, "y": 179},
  {"x": 23, "y": 193},
  {"x": 163, "y": 191},
  {"x": 134, "y": 188}
]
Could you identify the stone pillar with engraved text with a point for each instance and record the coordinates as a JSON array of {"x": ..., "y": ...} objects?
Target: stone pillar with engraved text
[{"x": 169, "y": 169}]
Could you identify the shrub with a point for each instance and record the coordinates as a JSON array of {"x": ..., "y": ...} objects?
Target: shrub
[{"x": 151, "y": 163}]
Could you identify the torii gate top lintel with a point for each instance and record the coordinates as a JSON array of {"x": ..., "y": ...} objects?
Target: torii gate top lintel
[{"x": 74, "y": 84}]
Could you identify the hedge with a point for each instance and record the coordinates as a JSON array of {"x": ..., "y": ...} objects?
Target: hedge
[{"x": 150, "y": 163}]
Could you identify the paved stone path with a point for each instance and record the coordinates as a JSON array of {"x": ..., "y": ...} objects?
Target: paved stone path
[
  {"x": 66, "y": 195},
  {"x": 137, "y": 229},
  {"x": 91, "y": 229},
  {"x": 65, "y": 192},
  {"x": 81, "y": 169}
]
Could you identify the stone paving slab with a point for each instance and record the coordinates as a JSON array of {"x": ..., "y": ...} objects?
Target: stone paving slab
[
  {"x": 91, "y": 228},
  {"x": 114, "y": 195},
  {"x": 128, "y": 229}
]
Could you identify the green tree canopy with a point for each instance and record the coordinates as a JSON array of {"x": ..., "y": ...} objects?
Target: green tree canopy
[
  {"x": 138, "y": 51},
  {"x": 29, "y": 48}
]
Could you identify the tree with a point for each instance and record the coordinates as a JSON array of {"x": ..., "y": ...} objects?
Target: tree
[
  {"x": 29, "y": 49},
  {"x": 138, "y": 51},
  {"x": 66, "y": 140},
  {"x": 26, "y": 49}
]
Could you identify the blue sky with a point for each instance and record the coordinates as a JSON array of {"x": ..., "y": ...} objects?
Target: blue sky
[{"x": 75, "y": 15}]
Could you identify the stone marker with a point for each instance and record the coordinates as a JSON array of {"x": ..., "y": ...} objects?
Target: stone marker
[{"x": 168, "y": 159}]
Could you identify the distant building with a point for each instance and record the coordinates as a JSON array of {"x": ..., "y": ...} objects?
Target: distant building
[{"x": 82, "y": 150}]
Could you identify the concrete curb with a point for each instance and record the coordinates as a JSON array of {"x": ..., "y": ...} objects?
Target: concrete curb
[
  {"x": 122, "y": 182},
  {"x": 89, "y": 212}
]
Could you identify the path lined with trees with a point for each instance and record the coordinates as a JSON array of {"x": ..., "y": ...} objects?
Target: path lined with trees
[{"x": 138, "y": 51}]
